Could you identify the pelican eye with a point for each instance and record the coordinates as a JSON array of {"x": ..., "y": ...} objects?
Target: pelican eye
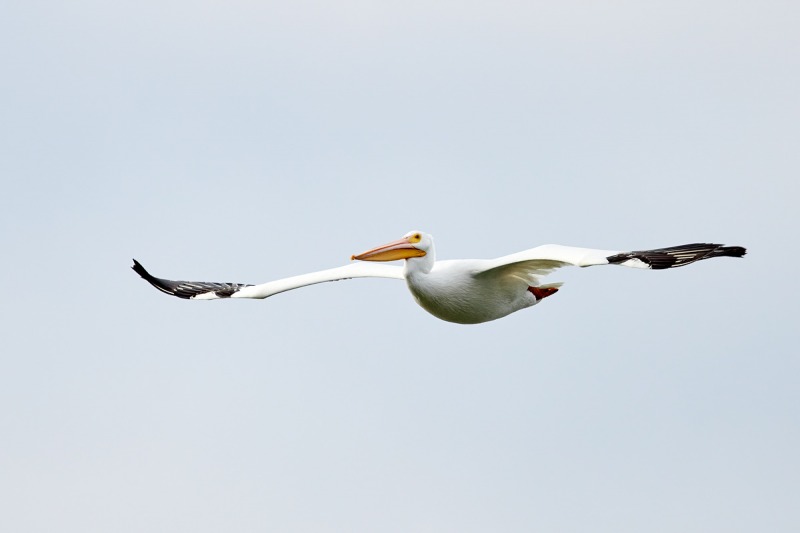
[{"x": 415, "y": 238}]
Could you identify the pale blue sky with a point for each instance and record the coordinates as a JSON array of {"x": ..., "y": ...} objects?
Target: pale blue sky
[{"x": 247, "y": 141}]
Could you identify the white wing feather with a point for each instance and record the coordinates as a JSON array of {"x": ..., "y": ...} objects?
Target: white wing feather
[
  {"x": 354, "y": 270},
  {"x": 544, "y": 259}
]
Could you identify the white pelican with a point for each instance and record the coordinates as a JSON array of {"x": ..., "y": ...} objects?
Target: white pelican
[{"x": 466, "y": 291}]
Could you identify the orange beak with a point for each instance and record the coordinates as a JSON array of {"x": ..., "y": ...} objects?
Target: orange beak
[{"x": 399, "y": 249}]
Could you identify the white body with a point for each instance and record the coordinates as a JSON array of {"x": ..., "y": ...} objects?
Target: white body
[
  {"x": 470, "y": 291},
  {"x": 454, "y": 291}
]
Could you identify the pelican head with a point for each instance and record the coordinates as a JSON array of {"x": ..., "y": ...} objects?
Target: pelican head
[{"x": 412, "y": 244}]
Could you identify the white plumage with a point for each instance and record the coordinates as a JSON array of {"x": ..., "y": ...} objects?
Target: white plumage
[{"x": 466, "y": 291}]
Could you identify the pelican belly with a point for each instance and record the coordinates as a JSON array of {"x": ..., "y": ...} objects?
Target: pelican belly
[{"x": 453, "y": 293}]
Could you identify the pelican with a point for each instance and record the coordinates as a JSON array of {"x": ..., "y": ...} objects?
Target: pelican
[{"x": 465, "y": 291}]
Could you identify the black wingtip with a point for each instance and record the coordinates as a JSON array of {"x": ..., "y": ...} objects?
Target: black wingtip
[
  {"x": 188, "y": 289},
  {"x": 732, "y": 251},
  {"x": 163, "y": 285},
  {"x": 139, "y": 269},
  {"x": 676, "y": 256}
]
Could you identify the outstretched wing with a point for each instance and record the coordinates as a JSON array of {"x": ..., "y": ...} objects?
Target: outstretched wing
[
  {"x": 544, "y": 259},
  {"x": 205, "y": 290}
]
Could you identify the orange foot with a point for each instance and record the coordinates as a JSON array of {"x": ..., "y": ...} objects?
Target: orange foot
[{"x": 542, "y": 292}]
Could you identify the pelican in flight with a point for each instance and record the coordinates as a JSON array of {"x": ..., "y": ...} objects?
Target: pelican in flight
[{"x": 466, "y": 291}]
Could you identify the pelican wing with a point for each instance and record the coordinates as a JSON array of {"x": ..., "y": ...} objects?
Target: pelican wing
[
  {"x": 544, "y": 259},
  {"x": 206, "y": 290}
]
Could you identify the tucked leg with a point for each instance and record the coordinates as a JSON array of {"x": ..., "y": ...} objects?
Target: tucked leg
[{"x": 542, "y": 292}]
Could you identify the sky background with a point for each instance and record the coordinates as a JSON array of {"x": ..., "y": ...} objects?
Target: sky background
[{"x": 248, "y": 141}]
